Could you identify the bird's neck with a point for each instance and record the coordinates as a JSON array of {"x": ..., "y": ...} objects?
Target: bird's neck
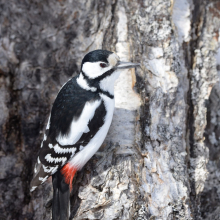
[
  {"x": 82, "y": 82},
  {"x": 105, "y": 86}
]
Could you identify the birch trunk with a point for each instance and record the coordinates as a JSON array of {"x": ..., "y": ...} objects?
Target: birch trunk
[{"x": 161, "y": 157}]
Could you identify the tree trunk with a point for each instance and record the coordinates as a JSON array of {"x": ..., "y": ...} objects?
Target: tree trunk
[{"x": 161, "y": 157}]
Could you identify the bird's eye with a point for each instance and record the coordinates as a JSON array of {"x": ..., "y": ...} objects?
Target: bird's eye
[{"x": 103, "y": 65}]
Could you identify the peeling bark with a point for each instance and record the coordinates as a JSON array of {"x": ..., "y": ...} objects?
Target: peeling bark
[{"x": 160, "y": 159}]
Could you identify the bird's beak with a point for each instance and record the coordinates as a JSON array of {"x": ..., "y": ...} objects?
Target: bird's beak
[{"x": 126, "y": 65}]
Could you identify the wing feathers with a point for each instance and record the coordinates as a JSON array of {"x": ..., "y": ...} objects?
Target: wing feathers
[
  {"x": 79, "y": 126},
  {"x": 61, "y": 150},
  {"x": 56, "y": 159},
  {"x": 68, "y": 130}
]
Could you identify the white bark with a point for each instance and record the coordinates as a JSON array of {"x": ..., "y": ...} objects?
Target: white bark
[{"x": 160, "y": 159}]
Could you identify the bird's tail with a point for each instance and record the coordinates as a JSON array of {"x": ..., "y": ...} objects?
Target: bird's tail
[{"x": 61, "y": 197}]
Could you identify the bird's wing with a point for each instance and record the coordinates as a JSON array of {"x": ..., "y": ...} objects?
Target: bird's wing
[{"x": 75, "y": 118}]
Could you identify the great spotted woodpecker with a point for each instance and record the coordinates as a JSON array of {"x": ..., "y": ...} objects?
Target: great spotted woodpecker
[{"x": 78, "y": 124}]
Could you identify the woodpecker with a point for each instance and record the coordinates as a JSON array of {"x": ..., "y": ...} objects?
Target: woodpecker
[{"x": 77, "y": 126}]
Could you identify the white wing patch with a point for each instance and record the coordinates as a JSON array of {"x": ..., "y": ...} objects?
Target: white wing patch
[
  {"x": 87, "y": 130},
  {"x": 79, "y": 126},
  {"x": 55, "y": 160},
  {"x": 81, "y": 148},
  {"x": 81, "y": 158}
]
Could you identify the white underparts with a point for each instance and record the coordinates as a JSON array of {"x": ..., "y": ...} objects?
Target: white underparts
[
  {"x": 83, "y": 83},
  {"x": 80, "y": 125},
  {"x": 81, "y": 158}
]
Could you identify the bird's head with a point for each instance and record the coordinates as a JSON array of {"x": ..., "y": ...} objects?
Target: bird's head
[{"x": 100, "y": 69}]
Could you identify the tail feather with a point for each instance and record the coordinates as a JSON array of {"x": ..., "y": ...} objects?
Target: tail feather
[{"x": 61, "y": 197}]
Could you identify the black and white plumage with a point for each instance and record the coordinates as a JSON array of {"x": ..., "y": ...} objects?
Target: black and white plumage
[{"x": 78, "y": 124}]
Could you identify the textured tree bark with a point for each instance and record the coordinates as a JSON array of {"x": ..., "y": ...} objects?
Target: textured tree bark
[{"x": 161, "y": 157}]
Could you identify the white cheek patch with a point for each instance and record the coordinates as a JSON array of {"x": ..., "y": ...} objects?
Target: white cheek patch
[
  {"x": 94, "y": 70},
  {"x": 79, "y": 126},
  {"x": 113, "y": 59}
]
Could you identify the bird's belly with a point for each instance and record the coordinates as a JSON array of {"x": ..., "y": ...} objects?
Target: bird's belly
[{"x": 81, "y": 158}]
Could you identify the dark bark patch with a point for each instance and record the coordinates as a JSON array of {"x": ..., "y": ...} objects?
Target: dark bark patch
[{"x": 86, "y": 28}]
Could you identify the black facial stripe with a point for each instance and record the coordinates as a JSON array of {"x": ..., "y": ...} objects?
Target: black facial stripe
[
  {"x": 99, "y": 78},
  {"x": 108, "y": 73},
  {"x": 105, "y": 93},
  {"x": 95, "y": 82},
  {"x": 90, "y": 82}
]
